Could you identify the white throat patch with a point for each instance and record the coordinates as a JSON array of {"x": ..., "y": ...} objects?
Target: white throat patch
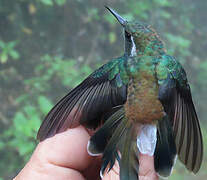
[{"x": 133, "y": 51}]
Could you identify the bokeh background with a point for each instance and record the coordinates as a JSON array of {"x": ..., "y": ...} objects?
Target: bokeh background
[{"x": 49, "y": 46}]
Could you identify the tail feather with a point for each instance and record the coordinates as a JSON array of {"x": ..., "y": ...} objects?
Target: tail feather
[
  {"x": 116, "y": 139},
  {"x": 129, "y": 164},
  {"x": 100, "y": 139},
  {"x": 111, "y": 151},
  {"x": 165, "y": 152}
]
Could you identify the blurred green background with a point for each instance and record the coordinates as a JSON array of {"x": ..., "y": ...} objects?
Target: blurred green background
[{"x": 48, "y": 46}]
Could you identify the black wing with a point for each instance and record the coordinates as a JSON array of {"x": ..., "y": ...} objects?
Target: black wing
[
  {"x": 87, "y": 103},
  {"x": 176, "y": 98}
]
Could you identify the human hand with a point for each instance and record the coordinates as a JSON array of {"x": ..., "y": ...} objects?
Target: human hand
[{"x": 64, "y": 157}]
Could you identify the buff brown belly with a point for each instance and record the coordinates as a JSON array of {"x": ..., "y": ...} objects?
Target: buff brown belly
[{"x": 143, "y": 105}]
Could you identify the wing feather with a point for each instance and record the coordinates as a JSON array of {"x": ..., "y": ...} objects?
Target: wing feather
[
  {"x": 177, "y": 101},
  {"x": 86, "y": 104}
]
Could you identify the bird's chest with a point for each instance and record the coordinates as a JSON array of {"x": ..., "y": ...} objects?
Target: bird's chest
[{"x": 142, "y": 103}]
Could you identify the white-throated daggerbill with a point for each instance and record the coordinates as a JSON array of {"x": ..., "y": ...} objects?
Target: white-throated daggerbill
[{"x": 143, "y": 102}]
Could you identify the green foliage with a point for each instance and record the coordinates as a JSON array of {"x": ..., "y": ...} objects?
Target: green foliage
[
  {"x": 7, "y": 50},
  {"x": 21, "y": 135},
  {"x": 93, "y": 14},
  {"x": 65, "y": 70},
  {"x": 110, "y": 19},
  {"x": 52, "y": 2},
  {"x": 60, "y": 2},
  {"x": 44, "y": 104},
  {"x": 112, "y": 37},
  {"x": 61, "y": 42},
  {"x": 163, "y": 3},
  {"x": 47, "y": 2}
]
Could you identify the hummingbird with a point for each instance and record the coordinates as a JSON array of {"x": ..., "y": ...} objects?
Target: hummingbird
[{"x": 139, "y": 102}]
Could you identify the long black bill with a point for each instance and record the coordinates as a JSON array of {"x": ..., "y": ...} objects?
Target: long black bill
[{"x": 121, "y": 20}]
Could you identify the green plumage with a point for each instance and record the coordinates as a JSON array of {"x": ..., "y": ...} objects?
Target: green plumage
[{"x": 144, "y": 86}]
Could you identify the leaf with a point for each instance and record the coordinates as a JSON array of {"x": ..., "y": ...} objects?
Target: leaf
[
  {"x": 25, "y": 147},
  {"x": 30, "y": 110},
  {"x": 165, "y": 14},
  {"x": 178, "y": 40},
  {"x": 3, "y": 58},
  {"x": 34, "y": 124},
  {"x": 128, "y": 16},
  {"x": 22, "y": 98},
  {"x": 86, "y": 69},
  {"x": 46, "y": 58},
  {"x": 44, "y": 104},
  {"x": 164, "y": 3},
  {"x": 10, "y": 45},
  {"x": 47, "y": 2},
  {"x": 14, "y": 54},
  {"x": 32, "y": 8},
  {"x": 19, "y": 121},
  {"x": 27, "y": 30},
  {"x": 60, "y": 2},
  {"x": 93, "y": 14},
  {"x": 112, "y": 37},
  {"x": 110, "y": 19}
]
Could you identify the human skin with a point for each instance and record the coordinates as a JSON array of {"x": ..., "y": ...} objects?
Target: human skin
[{"x": 64, "y": 157}]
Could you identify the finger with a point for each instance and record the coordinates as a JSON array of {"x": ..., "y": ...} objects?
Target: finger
[
  {"x": 113, "y": 174},
  {"x": 67, "y": 149},
  {"x": 146, "y": 169},
  {"x": 44, "y": 171},
  {"x": 92, "y": 172}
]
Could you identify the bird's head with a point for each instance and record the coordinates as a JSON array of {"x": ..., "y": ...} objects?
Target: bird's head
[{"x": 139, "y": 37}]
